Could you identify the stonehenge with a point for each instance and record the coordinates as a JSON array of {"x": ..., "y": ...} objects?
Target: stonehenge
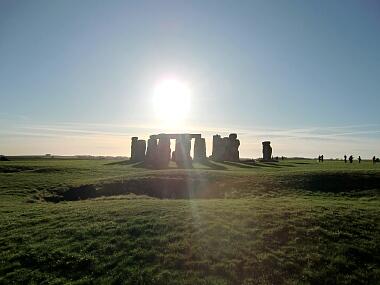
[
  {"x": 225, "y": 149},
  {"x": 158, "y": 152}
]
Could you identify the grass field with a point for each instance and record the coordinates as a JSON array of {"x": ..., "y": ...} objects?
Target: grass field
[{"x": 112, "y": 222}]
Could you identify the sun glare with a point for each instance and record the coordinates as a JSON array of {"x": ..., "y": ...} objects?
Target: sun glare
[{"x": 171, "y": 101}]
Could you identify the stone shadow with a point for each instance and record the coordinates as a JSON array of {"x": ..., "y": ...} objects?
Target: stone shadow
[
  {"x": 143, "y": 164},
  {"x": 212, "y": 165},
  {"x": 240, "y": 164},
  {"x": 123, "y": 162},
  {"x": 267, "y": 164},
  {"x": 254, "y": 164}
]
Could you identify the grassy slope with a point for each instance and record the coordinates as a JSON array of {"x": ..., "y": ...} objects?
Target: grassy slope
[{"x": 282, "y": 226}]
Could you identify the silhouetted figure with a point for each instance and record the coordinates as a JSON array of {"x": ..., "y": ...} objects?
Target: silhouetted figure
[
  {"x": 345, "y": 158},
  {"x": 374, "y": 159},
  {"x": 360, "y": 159},
  {"x": 319, "y": 158},
  {"x": 351, "y": 158},
  {"x": 322, "y": 157},
  {"x": 282, "y": 158}
]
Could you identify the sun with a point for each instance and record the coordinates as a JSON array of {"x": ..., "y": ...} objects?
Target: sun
[{"x": 171, "y": 101}]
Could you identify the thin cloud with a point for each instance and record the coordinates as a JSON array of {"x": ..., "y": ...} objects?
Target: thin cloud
[{"x": 116, "y": 137}]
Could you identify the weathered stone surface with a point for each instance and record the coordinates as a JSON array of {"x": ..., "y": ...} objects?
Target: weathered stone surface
[
  {"x": 226, "y": 148},
  {"x": 267, "y": 150},
  {"x": 133, "y": 147},
  {"x": 151, "y": 152},
  {"x": 199, "y": 149},
  {"x": 182, "y": 151},
  {"x": 232, "y": 136},
  {"x": 218, "y": 148},
  {"x": 163, "y": 151},
  {"x": 138, "y": 149},
  {"x": 158, "y": 152},
  {"x": 232, "y": 150}
]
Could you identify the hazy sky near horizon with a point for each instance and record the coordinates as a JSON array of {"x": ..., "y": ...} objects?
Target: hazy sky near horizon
[{"x": 77, "y": 77}]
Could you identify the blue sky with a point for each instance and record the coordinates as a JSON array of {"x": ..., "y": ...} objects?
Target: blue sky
[{"x": 76, "y": 77}]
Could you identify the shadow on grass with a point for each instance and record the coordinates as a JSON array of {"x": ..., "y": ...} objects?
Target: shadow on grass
[
  {"x": 212, "y": 165},
  {"x": 142, "y": 164},
  {"x": 287, "y": 165},
  {"x": 123, "y": 162},
  {"x": 254, "y": 164},
  {"x": 240, "y": 164},
  {"x": 268, "y": 164},
  {"x": 334, "y": 182}
]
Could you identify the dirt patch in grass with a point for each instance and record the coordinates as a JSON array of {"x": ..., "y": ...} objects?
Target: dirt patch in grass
[
  {"x": 162, "y": 188},
  {"x": 192, "y": 187}
]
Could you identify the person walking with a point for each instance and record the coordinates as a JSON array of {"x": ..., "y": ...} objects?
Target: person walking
[
  {"x": 319, "y": 158},
  {"x": 374, "y": 159},
  {"x": 345, "y": 158},
  {"x": 351, "y": 158},
  {"x": 360, "y": 159},
  {"x": 322, "y": 157}
]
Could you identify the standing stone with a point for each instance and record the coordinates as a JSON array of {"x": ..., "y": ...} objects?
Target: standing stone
[
  {"x": 267, "y": 151},
  {"x": 233, "y": 148},
  {"x": 133, "y": 148},
  {"x": 199, "y": 149},
  {"x": 218, "y": 148},
  {"x": 182, "y": 151},
  {"x": 226, "y": 148},
  {"x": 140, "y": 150},
  {"x": 152, "y": 151},
  {"x": 163, "y": 151}
]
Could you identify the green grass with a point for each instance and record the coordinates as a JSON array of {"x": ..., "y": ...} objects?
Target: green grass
[{"x": 295, "y": 222}]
